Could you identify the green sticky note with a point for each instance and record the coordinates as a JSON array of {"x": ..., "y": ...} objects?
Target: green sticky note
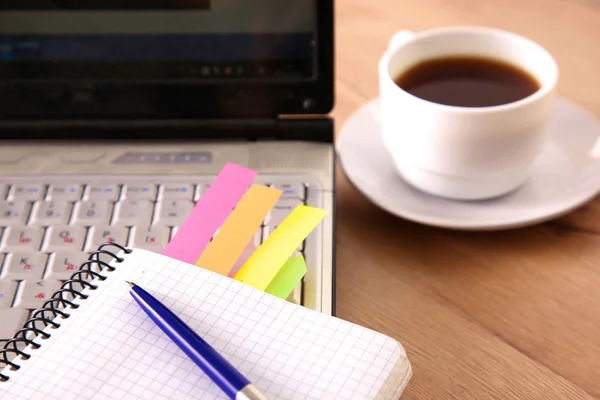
[{"x": 288, "y": 277}]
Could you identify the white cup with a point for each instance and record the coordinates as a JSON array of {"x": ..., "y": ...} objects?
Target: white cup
[{"x": 465, "y": 153}]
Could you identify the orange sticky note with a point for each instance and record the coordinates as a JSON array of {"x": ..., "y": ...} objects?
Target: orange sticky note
[{"x": 238, "y": 230}]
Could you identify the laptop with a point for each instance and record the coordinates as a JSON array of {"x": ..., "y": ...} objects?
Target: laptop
[{"x": 116, "y": 115}]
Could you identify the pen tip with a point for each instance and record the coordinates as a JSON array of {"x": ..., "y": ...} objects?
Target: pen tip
[{"x": 130, "y": 283}]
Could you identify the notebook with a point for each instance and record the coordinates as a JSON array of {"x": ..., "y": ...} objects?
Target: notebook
[{"x": 107, "y": 348}]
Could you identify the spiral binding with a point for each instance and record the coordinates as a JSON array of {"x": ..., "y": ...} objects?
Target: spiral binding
[{"x": 58, "y": 299}]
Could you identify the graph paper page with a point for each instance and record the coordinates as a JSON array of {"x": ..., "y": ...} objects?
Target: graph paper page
[{"x": 110, "y": 349}]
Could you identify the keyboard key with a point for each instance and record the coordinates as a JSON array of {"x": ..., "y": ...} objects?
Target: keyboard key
[
  {"x": 99, "y": 235},
  {"x": 296, "y": 296},
  {"x": 21, "y": 239},
  {"x": 257, "y": 239},
  {"x": 46, "y": 213},
  {"x": 101, "y": 192},
  {"x": 13, "y": 213},
  {"x": 65, "y": 192},
  {"x": 12, "y": 319},
  {"x": 33, "y": 294},
  {"x": 8, "y": 289},
  {"x": 171, "y": 191},
  {"x": 133, "y": 212},
  {"x": 63, "y": 264},
  {"x": 290, "y": 190},
  {"x": 3, "y": 191},
  {"x": 153, "y": 239},
  {"x": 139, "y": 192},
  {"x": 280, "y": 211},
  {"x": 200, "y": 189},
  {"x": 92, "y": 212},
  {"x": 172, "y": 212},
  {"x": 28, "y": 192},
  {"x": 24, "y": 266},
  {"x": 64, "y": 238}
]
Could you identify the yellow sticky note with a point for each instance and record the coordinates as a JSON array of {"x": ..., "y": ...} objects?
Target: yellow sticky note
[
  {"x": 238, "y": 230},
  {"x": 262, "y": 267},
  {"x": 288, "y": 278}
]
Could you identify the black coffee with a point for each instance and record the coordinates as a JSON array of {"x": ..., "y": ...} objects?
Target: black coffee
[{"x": 467, "y": 82}]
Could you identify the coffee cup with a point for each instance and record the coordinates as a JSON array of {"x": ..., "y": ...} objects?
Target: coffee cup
[{"x": 469, "y": 142}]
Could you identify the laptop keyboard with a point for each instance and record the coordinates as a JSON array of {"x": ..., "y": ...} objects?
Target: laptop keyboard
[{"x": 50, "y": 228}]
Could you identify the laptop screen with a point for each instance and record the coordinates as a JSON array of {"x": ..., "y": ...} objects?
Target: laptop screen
[{"x": 158, "y": 39}]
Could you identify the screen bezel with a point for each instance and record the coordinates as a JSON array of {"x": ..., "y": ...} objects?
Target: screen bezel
[{"x": 84, "y": 99}]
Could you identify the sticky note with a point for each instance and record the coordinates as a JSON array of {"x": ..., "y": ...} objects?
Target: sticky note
[
  {"x": 262, "y": 267},
  {"x": 209, "y": 213},
  {"x": 288, "y": 277},
  {"x": 239, "y": 229}
]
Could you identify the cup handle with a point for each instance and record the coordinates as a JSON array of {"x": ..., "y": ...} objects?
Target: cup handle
[{"x": 400, "y": 38}]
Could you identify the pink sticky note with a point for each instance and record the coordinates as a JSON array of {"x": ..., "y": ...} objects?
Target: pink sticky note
[
  {"x": 251, "y": 248},
  {"x": 210, "y": 212}
]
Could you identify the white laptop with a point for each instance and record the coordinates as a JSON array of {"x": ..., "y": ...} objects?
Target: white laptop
[{"x": 114, "y": 118}]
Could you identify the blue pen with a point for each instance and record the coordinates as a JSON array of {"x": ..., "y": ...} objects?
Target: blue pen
[{"x": 229, "y": 379}]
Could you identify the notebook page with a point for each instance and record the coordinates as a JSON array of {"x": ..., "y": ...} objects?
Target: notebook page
[{"x": 110, "y": 349}]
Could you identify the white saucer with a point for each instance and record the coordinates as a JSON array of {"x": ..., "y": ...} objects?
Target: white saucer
[{"x": 566, "y": 176}]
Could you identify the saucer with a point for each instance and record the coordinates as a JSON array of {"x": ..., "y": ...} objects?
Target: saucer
[{"x": 566, "y": 175}]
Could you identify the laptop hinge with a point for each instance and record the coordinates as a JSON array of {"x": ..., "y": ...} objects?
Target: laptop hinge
[
  {"x": 318, "y": 129},
  {"x": 315, "y": 129}
]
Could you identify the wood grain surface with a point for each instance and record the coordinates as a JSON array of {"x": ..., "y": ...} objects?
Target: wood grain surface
[{"x": 499, "y": 315}]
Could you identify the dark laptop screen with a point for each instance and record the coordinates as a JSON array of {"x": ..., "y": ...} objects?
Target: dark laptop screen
[{"x": 158, "y": 39}]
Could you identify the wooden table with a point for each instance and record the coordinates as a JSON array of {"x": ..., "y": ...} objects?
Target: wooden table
[{"x": 499, "y": 315}]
